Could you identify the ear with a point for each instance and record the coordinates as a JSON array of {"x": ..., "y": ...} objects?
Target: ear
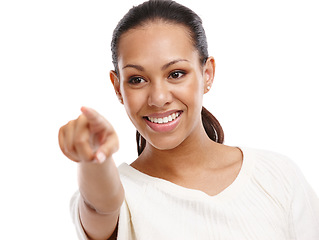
[
  {"x": 209, "y": 73},
  {"x": 116, "y": 84}
]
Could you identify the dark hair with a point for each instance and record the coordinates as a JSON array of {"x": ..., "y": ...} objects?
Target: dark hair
[{"x": 171, "y": 12}]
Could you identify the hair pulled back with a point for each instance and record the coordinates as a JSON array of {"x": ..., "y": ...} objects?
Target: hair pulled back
[{"x": 170, "y": 12}]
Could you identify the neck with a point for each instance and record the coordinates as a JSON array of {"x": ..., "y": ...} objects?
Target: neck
[{"x": 193, "y": 153}]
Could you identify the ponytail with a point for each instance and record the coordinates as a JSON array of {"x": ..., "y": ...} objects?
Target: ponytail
[
  {"x": 141, "y": 143},
  {"x": 211, "y": 125}
]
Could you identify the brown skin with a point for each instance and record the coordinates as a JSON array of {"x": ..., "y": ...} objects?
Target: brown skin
[
  {"x": 90, "y": 140},
  {"x": 173, "y": 80},
  {"x": 185, "y": 156}
]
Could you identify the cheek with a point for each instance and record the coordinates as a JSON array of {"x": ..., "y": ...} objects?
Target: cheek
[
  {"x": 133, "y": 101},
  {"x": 192, "y": 92}
]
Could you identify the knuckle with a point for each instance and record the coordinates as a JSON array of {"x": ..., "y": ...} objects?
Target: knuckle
[
  {"x": 61, "y": 130},
  {"x": 69, "y": 149},
  {"x": 81, "y": 118},
  {"x": 70, "y": 123},
  {"x": 80, "y": 141},
  {"x": 69, "y": 154},
  {"x": 66, "y": 128},
  {"x": 66, "y": 149}
]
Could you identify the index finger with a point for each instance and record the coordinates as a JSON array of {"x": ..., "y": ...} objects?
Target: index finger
[
  {"x": 90, "y": 114},
  {"x": 95, "y": 120}
]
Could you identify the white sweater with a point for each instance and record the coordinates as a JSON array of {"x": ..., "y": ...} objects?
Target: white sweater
[{"x": 269, "y": 199}]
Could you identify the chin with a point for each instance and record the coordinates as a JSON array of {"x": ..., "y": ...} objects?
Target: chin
[{"x": 164, "y": 144}]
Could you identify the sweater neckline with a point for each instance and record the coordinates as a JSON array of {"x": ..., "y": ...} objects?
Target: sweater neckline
[{"x": 164, "y": 185}]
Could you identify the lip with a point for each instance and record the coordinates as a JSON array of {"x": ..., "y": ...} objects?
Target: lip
[
  {"x": 163, "y": 114},
  {"x": 164, "y": 127}
]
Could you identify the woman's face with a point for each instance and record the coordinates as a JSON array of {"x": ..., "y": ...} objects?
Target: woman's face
[{"x": 162, "y": 83}]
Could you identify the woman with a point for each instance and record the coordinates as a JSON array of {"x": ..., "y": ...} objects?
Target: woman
[{"x": 185, "y": 184}]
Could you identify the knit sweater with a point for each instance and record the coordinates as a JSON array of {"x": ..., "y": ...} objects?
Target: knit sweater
[{"x": 269, "y": 199}]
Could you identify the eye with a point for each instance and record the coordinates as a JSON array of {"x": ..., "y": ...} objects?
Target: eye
[
  {"x": 136, "y": 80},
  {"x": 176, "y": 74}
]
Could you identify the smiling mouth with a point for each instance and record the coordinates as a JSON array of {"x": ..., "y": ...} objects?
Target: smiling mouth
[{"x": 166, "y": 119}]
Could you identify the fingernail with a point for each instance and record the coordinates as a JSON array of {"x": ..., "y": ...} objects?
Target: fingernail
[
  {"x": 100, "y": 157},
  {"x": 95, "y": 160}
]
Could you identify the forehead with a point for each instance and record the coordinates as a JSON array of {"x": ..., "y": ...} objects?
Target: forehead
[{"x": 156, "y": 41}]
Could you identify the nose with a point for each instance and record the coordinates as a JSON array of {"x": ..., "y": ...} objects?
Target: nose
[{"x": 159, "y": 94}]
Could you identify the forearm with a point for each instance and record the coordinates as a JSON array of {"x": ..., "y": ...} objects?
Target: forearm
[{"x": 100, "y": 186}]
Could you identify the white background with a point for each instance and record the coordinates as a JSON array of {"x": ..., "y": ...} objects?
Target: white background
[{"x": 55, "y": 57}]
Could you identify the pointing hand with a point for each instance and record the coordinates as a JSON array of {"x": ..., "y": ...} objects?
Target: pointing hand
[{"x": 89, "y": 138}]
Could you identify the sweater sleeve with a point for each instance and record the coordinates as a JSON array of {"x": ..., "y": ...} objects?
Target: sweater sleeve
[
  {"x": 74, "y": 211},
  {"x": 125, "y": 228},
  {"x": 304, "y": 209}
]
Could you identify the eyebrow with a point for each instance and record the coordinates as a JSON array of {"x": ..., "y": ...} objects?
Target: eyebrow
[
  {"x": 165, "y": 66},
  {"x": 138, "y": 67},
  {"x": 173, "y": 62}
]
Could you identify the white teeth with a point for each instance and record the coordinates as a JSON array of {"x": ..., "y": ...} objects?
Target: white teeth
[{"x": 165, "y": 119}]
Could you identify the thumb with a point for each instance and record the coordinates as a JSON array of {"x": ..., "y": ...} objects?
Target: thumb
[{"x": 107, "y": 149}]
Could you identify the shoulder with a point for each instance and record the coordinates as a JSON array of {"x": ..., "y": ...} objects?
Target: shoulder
[
  {"x": 268, "y": 162},
  {"x": 277, "y": 176},
  {"x": 278, "y": 180},
  {"x": 272, "y": 173}
]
